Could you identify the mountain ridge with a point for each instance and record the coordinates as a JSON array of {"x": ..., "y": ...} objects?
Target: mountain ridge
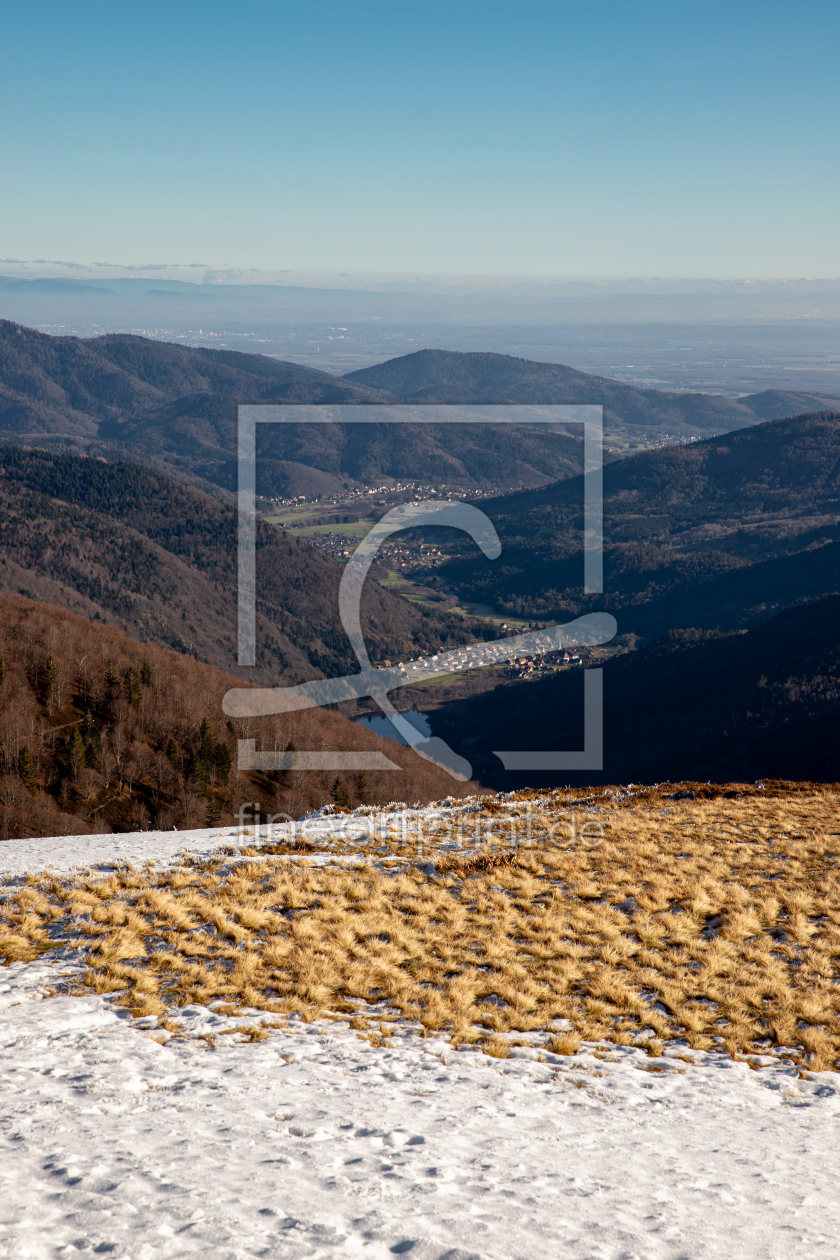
[
  {"x": 673, "y": 519},
  {"x": 174, "y": 407},
  {"x": 455, "y": 377}
]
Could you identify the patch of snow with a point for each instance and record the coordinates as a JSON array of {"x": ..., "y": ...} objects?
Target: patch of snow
[
  {"x": 69, "y": 853},
  {"x": 64, "y": 854},
  {"x": 312, "y": 1143}
]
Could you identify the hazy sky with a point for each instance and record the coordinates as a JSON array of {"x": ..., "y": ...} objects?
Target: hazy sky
[{"x": 628, "y": 138}]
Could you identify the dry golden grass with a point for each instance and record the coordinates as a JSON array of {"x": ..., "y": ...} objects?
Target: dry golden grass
[{"x": 715, "y": 920}]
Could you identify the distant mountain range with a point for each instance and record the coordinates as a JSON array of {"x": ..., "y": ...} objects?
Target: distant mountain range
[
  {"x": 174, "y": 407},
  {"x": 153, "y": 301},
  {"x": 449, "y": 377},
  {"x": 722, "y": 557},
  {"x": 146, "y": 399}
]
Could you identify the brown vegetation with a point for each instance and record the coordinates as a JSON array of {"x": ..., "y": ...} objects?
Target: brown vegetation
[
  {"x": 708, "y": 916},
  {"x": 100, "y": 733}
]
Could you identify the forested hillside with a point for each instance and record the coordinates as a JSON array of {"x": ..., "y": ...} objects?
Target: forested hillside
[
  {"x": 129, "y": 546},
  {"x": 198, "y": 435},
  {"x": 450, "y": 377},
  {"x": 100, "y": 733},
  {"x": 714, "y": 534},
  {"x": 72, "y": 385},
  {"x": 174, "y": 407}
]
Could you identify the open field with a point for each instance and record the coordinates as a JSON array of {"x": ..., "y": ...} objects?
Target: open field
[
  {"x": 488, "y": 613},
  {"x": 356, "y": 529},
  {"x": 700, "y": 915},
  {"x": 410, "y": 588}
]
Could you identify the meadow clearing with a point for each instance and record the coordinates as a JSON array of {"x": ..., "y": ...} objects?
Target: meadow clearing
[{"x": 698, "y": 914}]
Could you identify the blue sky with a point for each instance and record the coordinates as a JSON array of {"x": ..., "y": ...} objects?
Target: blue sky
[{"x": 567, "y": 139}]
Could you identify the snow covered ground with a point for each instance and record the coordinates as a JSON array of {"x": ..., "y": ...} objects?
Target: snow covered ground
[
  {"x": 312, "y": 1143},
  {"x": 68, "y": 853}
]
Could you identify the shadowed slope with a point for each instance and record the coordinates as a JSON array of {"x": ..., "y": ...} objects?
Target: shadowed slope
[
  {"x": 673, "y": 520},
  {"x": 692, "y": 705}
]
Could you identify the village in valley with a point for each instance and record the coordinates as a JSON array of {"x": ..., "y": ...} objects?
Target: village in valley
[
  {"x": 538, "y": 666},
  {"x": 479, "y": 655},
  {"x": 318, "y": 518},
  {"x": 403, "y": 563}
]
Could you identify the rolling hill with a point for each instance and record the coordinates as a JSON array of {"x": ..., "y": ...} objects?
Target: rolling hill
[
  {"x": 174, "y": 407},
  {"x": 450, "y": 377},
  {"x": 84, "y": 394},
  {"x": 717, "y": 534},
  {"x": 73, "y": 386},
  {"x": 129, "y": 546},
  {"x": 198, "y": 434}
]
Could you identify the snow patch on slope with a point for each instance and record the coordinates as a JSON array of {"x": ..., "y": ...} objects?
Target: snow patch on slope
[{"x": 313, "y": 1143}]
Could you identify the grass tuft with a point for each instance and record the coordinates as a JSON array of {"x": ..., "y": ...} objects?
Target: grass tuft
[{"x": 712, "y": 920}]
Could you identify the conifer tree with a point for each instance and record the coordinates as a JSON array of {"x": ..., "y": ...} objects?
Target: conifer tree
[
  {"x": 206, "y": 747},
  {"x": 76, "y": 751},
  {"x": 131, "y": 684},
  {"x": 339, "y": 793},
  {"x": 146, "y": 674},
  {"x": 49, "y": 683},
  {"x": 92, "y": 738},
  {"x": 222, "y": 761},
  {"x": 27, "y": 771}
]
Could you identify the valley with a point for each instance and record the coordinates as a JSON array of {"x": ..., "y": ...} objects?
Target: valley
[
  {"x": 710, "y": 542},
  {"x": 419, "y": 632},
  {"x": 133, "y": 548}
]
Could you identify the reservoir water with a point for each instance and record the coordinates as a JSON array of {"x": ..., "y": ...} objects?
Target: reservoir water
[{"x": 384, "y": 728}]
